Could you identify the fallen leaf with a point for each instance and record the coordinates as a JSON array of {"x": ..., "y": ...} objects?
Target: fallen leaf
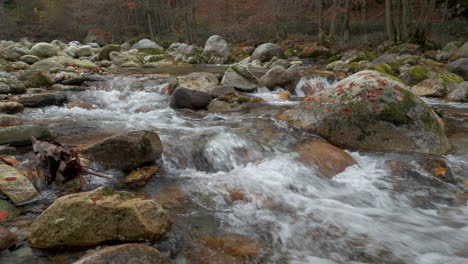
[
  {"x": 3, "y": 215},
  {"x": 10, "y": 161},
  {"x": 10, "y": 179},
  {"x": 347, "y": 111},
  {"x": 97, "y": 198},
  {"x": 440, "y": 172}
]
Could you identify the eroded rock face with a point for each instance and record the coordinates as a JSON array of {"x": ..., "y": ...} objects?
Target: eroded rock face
[
  {"x": 125, "y": 254},
  {"x": 369, "y": 111},
  {"x": 216, "y": 50},
  {"x": 101, "y": 215},
  {"x": 328, "y": 159},
  {"x": 127, "y": 151},
  {"x": 15, "y": 185}
]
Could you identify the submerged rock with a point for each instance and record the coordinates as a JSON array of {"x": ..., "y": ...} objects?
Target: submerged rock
[
  {"x": 15, "y": 185},
  {"x": 21, "y": 135},
  {"x": 328, "y": 159},
  {"x": 127, "y": 151},
  {"x": 370, "y": 111},
  {"x": 216, "y": 50},
  {"x": 141, "y": 176},
  {"x": 102, "y": 215},
  {"x": 125, "y": 254},
  {"x": 191, "y": 99}
]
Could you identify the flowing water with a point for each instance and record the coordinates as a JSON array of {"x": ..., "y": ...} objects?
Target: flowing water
[{"x": 366, "y": 214}]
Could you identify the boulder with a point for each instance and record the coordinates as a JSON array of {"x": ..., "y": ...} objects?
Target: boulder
[
  {"x": 11, "y": 108},
  {"x": 127, "y": 151},
  {"x": 462, "y": 52},
  {"x": 104, "y": 52},
  {"x": 41, "y": 99},
  {"x": 191, "y": 99},
  {"x": 9, "y": 84},
  {"x": 240, "y": 77},
  {"x": 7, "y": 238},
  {"x": 8, "y": 54},
  {"x": 84, "y": 51},
  {"x": 459, "y": 67},
  {"x": 276, "y": 77},
  {"x": 328, "y": 159},
  {"x": 98, "y": 36},
  {"x": 35, "y": 79},
  {"x": 369, "y": 111},
  {"x": 10, "y": 120},
  {"x": 69, "y": 61},
  {"x": 21, "y": 135},
  {"x": 46, "y": 66},
  {"x": 216, "y": 50},
  {"x": 120, "y": 59},
  {"x": 147, "y": 45},
  {"x": 181, "y": 52},
  {"x": 125, "y": 254},
  {"x": 223, "y": 90},
  {"x": 141, "y": 176},
  {"x": 199, "y": 81},
  {"x": 44, "y": 50},
  {"x": 390, "y": 59},
  {"x": 449, "y": 51},
  {"x": 266, "y": 52},
  {"x": 430, "y": 88},
  {"x": 15, "y": 185},
  {"x": 459, "y": 94},
  {"x": 99, "y": 216}
]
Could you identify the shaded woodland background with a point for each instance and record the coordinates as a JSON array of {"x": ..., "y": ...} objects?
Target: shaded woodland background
[{"x": 332, "y": 23}]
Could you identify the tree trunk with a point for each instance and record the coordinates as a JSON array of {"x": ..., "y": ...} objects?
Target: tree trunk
[
  {"x": 346, "y": 21},
  {"x": 388, "y": 20},
  {"x": 321, "y": 30}
]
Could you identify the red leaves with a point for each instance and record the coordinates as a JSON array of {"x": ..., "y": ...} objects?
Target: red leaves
[
  {"x": 3, "y": 215},
  {"x": 96, "y": 198},
  {"x": 347, "y": 111},
  {"x": 9, "y": 179}
]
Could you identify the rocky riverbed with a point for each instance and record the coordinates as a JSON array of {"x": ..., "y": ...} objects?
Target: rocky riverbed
[{"x": 348, "y": 158}]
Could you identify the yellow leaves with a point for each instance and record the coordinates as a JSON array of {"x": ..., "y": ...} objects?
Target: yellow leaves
[{"x": 440, "y": 172}]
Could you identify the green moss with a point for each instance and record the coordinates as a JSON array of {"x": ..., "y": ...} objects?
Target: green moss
[
  {"x": 289, "y": 53},
  {"x": 364, "y": 55},
  {"x": 397, "y": 112},
  {"x": 418, "y": 74},
  {"x": 156, "y": 58},
  {"x": 151, "y": 51},
  {"x": 447, "y": 77},
  {"x": 145, "y": 140},
  {"x": 354, "y": 67},
  {"x": 242, "y": 57},
  {"x": 107, "y": 191},
  {"x": 382, "y": 68},
  {"x": 333, "y": 58},
  {"x": 435, "y": 63}
]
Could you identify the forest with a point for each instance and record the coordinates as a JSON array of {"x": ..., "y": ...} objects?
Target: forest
[{"x": 336, "y": 23}]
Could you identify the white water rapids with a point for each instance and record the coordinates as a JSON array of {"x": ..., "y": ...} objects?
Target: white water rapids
[{"x": 363, "y": 215}]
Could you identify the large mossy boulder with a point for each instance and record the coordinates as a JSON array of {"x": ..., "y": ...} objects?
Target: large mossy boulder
[
  {"x": 21, "y": 135},
  {"x": 9, "y": 84},
  {"x": 240, "y": 77},
  {"x": 69, "y": 61},
  {"x": 44, "y": 50},
  {"x": 99, "y": 216},
  {"x": 15, "y": 185},
  {"x": 181, "y": 52},
  {"x": 216, "y": 50},
  {"x": 369, "y": 111},
  {"x": 125, "y": 254},
  {"x": 127, "y": 151},
  {"x": 266, "y": 52}
]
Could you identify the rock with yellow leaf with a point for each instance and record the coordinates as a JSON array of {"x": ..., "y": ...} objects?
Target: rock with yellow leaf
[{"x": 141, "y": 176}]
